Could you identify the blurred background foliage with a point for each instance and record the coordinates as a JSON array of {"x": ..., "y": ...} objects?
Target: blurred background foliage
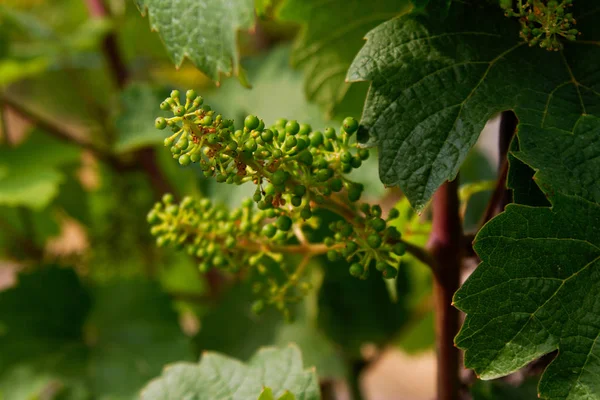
[{"x": 89, "y": 306}]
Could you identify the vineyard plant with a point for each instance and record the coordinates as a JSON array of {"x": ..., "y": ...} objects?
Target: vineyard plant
[{"x": 272, "y": 199}]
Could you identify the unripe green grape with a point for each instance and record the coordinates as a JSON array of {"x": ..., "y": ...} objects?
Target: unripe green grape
[
  {"x": 330, "y": 133},
  {"x": 212, "y": 139},
  {"x": 292, "y": 127},
  {"x": 305, "y": 157},
  {"x": 352, "y": 247},
  {"x": 168, "y": 142},
  {"x": 276, "y": 153},
  {"x": 296, "y": 201},
  {"x": 269, "y": 189},
  {"x": 280, "y": 237},
  {"x": 206, "y": 120},
  {"x": 190, "y": 94},
  {"x": 290, "y": 142},
  {"x": 279, "y": 177},
  {"x": 175, "y": 94},
  {"x": 399, "y": 249},
  {"x": 336, "y": 184},
  {"x": 347, "y": 230},
  {"x": 300, "y": 190},
  {"x": 390, "y": 272},
  {"x": 356, "y": 162},
  {"x": 306, "y": 213},
  {"x": 182, "y": 143},
  {"x": 153, "y": 217},
  {"x": 184, "y": 160},
  {"x": 305, "y": 129},
  {"x": 316, "y": 139},
  {"x": 195, "y": 157},
  {"x": 281, "y": 122},
  {"x": 160, "y": 123},
  {"x": 261, "y": 126},
  {"x": 381, "y": 266},
  {"x": 354, "y": 192},
  {"x": 251, "y": 122},
  {"x": 328, "y": 241},
  {"x": 374, "y": 240},
  {"x": 250, "y": 145},
  {"x": 356, "y": 270},
  {"x": 378, "y": 224},
  {"x": 267, "y": 135},
  {"x": 346, "y": 168},
  {"x": 350, "y": 125},
  {"x": 333, "y": 255},
  {"x": 393, "y": 214},
  {"x": 284, "y": 223},
  {"x": 269, "y": 230},
  {"x": 165, "y": 106},
  {"x": 179, "y": 111},
  {"x": 301, "y": 144},
  {"x": 322, "y": 175},
  {"x": 363, "y": 154},
  {"x": 168, "y": 198},
  {"x": 346, "y": 157}
]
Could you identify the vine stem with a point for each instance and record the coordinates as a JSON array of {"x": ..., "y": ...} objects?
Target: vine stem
[
  {"x": 502, "y": 195},
  {"x": 445, "y": 245}
]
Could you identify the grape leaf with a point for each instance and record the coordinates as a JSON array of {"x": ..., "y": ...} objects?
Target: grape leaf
[
  {"x": 136, "y": 333},
  {"x": 202, "y": 30},
  {"x": 29, "y": 173},
  {"x": 537, "y": 290},
  {"x": 41, "y": 336},
  {"x": 135, "y": 123},
  {"x": 331, "y": 37},
  {"x": 221, "y": 377},
  {"x": 566, "y": 160},
  {"x": 435, "y": 83}
]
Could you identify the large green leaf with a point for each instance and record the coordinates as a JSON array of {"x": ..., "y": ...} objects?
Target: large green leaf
[
  {"x": 435, "y": 82},
  {"x": 332, "y": 35},
  {"x": 135, "y": 123},
  {"x": 566, "y": 160},
  {"x": 221, "y": 377},
  {"x": 29, "y": 173},
  {"x": 537, "y": 290},
  {"x": 41, "y": 341},
  {"x": 202, "y": 30},
  {"x": 136, "y": 332}
]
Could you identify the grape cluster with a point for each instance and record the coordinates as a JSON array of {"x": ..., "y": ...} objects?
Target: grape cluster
[
  {"x": 296, "y": 170},
  {"x": 229, "y": 240},
  {"x": 367, "y": 241},
  {"x": 543, "y": 22},
  {"x": 289, "y": 162}
]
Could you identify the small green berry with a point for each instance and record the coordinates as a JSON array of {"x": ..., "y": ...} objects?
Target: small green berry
[
  {"x": 250, "y": 145},
  {"x": 350, "y": 125},
  {"x": 333, "y": 255},
  {"x": 251, "y": 122},
  {"x": 363, "y": 154},
  {"x": 393, "y": 214},
  {"x": 279, "y": 177},
  {"x": 356, "y": 270},
  {"x": 399, "y": 249},
  {"x": 378, "y": 224},
  {"x": 179, "y": 111},
  {"x": 374, "y": 240},
  {"x": 390, "y": 272},
  {"x": 184, "y": 160},
  {"x": 336, "y": 184},
  {"x": 296, "y": 201},
  {"x": 284, "y": 223},
  {"x": 160, "y": 123},
  {"x": 168, "y": 198},
  {"x": 190, "y": 94},
  {"x": 258, "y": 306},
  {"x": 306, "y": 213},
  {"x": 330, "y": 133},
  {"x": 305, "y": 129},
  {"x": 269, "y": 230},
  {"x": 267, "y": 135},
  {"x": 292, "y": 127},
  {"x": 305, "y": 157},
  {"x": 381, "y": 266},
  {"x": 316, "y": 139}
]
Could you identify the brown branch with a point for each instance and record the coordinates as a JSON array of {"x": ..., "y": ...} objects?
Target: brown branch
[
  {"x": 445, "y": 245},
  {"x": 502, "y": 195},
  {"x": 146, "y": 158}
]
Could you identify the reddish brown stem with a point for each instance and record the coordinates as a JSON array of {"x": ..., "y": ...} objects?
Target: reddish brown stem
[
  {"x": 445, "y": 245},
  {"x": 502, "y": 195}
]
